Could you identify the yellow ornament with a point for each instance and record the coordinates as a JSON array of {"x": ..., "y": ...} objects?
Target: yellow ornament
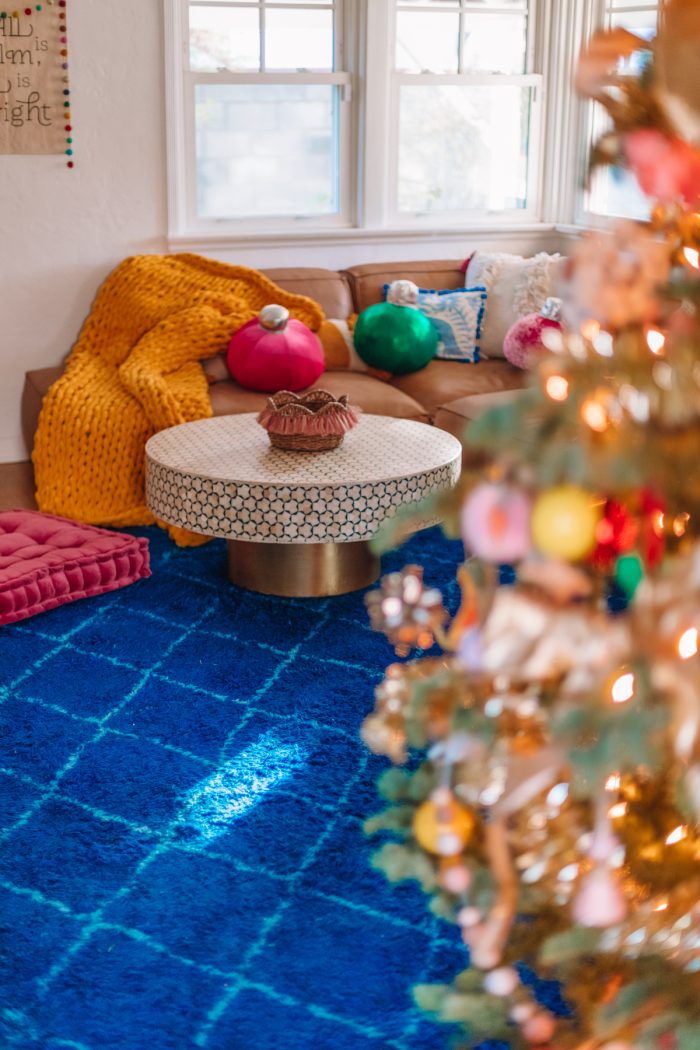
[
  {"x": 443, "y": 828},
  {"x": 564, "y": 521}
]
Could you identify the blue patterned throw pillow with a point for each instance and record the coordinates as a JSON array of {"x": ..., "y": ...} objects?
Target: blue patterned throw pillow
[{"x": 457, "y": 314}]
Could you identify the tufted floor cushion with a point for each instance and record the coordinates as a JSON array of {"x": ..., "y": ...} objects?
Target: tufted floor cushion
[{"x": 46, "y": 561}]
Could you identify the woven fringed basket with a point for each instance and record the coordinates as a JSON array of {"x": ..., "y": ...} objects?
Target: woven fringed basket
[{"x": 315, "y": 422}]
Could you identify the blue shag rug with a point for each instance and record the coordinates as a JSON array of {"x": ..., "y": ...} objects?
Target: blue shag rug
[{"x": 182, "y": 788}]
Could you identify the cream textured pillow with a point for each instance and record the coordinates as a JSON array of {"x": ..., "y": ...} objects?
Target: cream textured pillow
[{"x": 515, "y": 286}]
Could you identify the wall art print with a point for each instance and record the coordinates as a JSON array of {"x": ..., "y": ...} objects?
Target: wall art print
[{"x": 35, "y": 110}]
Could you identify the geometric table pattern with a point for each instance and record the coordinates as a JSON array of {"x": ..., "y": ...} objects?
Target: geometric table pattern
[
  {"x": 147, "y": 902},
  {"x": 221, "y": 477}
]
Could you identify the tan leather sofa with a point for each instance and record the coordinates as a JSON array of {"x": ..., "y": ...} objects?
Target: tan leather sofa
[{"x": 445, "y": 393}]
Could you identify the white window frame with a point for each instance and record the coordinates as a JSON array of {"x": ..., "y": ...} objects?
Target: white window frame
[
  {"x": 600, "y": 14},
  {"x": 369, "y": 157},
  {"x": 181, "y": 84}
]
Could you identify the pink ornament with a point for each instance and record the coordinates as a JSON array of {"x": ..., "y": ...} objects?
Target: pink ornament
[
  {"x": 540, "y": 1028},
  {"x": 456, "y": 879},
  {"x": 600, "y": 902},
  {"x": 666, "y": 168},
  {"x": 605, "y": 841},
  {"x": 496, "y": 523},
  {"x": 272, "y": 353},
  {"x": 523, "y": 344},
  {"x": 468, "y": 917}
]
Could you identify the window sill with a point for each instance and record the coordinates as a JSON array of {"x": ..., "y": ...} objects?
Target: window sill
[{"x": 202, "y": 242}]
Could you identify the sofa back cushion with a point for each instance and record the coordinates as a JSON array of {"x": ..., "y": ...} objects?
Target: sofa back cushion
[
  {"x": 367, "y": 282},
  {"x": 328, "y": 288}
]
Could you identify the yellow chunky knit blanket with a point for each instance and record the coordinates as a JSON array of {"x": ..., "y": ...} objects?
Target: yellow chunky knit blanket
[{"x": 135, "y": 370}]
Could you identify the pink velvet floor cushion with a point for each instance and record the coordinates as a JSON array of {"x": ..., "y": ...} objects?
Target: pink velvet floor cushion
[{"x": 46, "y": 561}]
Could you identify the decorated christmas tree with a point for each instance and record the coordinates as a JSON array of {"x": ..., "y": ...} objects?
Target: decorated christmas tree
[{"x": 546, "y": 793}]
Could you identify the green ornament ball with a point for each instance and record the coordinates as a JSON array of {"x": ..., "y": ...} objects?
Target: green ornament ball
[
  {"x": 629, "y": 573},
  {"x": 396, "y": 339}
]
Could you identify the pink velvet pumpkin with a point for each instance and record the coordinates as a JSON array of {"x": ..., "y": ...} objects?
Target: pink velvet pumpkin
[
  {"x": 523, "y": 344},
  {"x": 273, "y": 352}
]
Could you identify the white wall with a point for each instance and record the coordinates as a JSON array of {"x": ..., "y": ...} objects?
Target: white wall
[{"x": 62, "y": 231}]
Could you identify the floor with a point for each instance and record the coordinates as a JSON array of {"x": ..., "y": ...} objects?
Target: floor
[{"x": 16, "y": 486}]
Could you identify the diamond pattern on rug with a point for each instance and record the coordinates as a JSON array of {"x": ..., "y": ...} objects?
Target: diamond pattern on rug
[{"x": 182, "y": 788}]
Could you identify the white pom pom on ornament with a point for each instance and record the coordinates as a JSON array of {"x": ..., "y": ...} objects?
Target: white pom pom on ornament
[
  {"x": 456, "y": 879},
  {"x": 495, "y": 523},
  {"x": 522, "y": 1012},
  {"x": 468, "y": 917},
  {"x": 501, "y": 982}
]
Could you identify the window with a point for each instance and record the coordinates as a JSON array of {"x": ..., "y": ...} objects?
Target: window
[
  {"x": 288, "y": 115},
  {"x": 614, "y": 191},
  {"x": 463, "y": 110},
  {"x": 267, "y": 134}
]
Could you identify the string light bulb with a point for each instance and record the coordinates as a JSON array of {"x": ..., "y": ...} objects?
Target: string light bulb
[
  {"x": 623, "y": 688},
  {"x": 557, "y": 387},
  {"x": 688, "y": 643},
  {"x": 656, "y": 340},
  {"x": 692, "y": 257},
  {"x": 595, "y": 416}
]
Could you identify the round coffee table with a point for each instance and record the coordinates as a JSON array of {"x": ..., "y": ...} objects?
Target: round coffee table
[{"x": 297, "y": 523}]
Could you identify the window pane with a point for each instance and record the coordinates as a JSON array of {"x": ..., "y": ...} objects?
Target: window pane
[
  {"x": 266, "y": 150},
  {"x": 298, "y": 39},
  {"x": 224, "y": 38},
  {"x": 643, "y": 23},
  {"x": 616, "y": 192},
  {"x": 427, "y": 42},
  {"x": 463, "y": 148},
  {"x": 494, "y": 43}
]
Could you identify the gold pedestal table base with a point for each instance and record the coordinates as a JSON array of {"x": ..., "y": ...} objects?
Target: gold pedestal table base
[
  {"x": 302, "y": 570},
  {"x": 297, "y": 523}
]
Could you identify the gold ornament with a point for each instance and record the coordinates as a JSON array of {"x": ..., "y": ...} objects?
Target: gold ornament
[
  {"x": 564, "y": 521},
  {"x": 443, "y": 828}
]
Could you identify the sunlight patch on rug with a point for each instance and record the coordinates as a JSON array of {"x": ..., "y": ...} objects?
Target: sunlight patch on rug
[{"x": 240, "y": 784}]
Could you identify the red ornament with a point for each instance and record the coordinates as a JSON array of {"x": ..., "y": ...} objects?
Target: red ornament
[
  {"x": 272, "y": 353},
  {"x": 616, "y": 533}
]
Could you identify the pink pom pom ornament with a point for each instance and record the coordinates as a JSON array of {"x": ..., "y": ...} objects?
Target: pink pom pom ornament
[
  {"x": 524, "y": 344},
  {"x": 273, "y": 352},
  {"x": 496, "y": 523}
]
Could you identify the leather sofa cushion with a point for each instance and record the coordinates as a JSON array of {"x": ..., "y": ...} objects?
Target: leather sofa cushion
[
  {"x": 328, "y": 288},
  {"x": 369, "y": 394},
  {"x": 456, "y": 416},
  {"x": 367, "y": 282},
  {"x": 36, "y": 385},
  {"x": 443, "y": 382}
]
